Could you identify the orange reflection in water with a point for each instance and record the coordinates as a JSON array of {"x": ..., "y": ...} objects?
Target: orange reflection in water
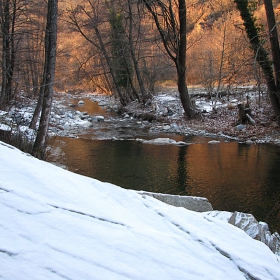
[{"x": 234, "y": 177}]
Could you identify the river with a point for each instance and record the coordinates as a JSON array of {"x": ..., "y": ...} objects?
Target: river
[{"x": 233, "y": 176}]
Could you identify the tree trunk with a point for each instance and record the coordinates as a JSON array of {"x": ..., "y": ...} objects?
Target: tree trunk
[
  {"x": 38, "y": 108},
  {"x": 39, "y": 148},
  {"x": 221, "y": 63},
  {"x": 181, "y": 61},
  {"x": 260, "y": 53},
  {"x": 8, "y": 11},
  {"x": 174, "y": 39},
  {"x": 12, "y": 52},
  {"x": 133, "y": 56},
  {"x": 109, "y": 63},
  {"x": 274, "y": 43},
  {"x": 5, "y": 29}
]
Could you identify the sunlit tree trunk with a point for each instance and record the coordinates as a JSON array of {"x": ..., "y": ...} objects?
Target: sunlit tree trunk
[{"x": 221, "y": 62}]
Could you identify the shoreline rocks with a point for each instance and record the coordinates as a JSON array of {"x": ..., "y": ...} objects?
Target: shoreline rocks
[
  {"x": 193, "y": 203},
  {"x": 248, "y": 223}
]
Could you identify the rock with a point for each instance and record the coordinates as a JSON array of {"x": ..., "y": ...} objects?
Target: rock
[
  {"x": 100, "y": 118},
  {"x": 197, "y": 204},
  {"x": 240, "y": 127},
  {"x": 94, "y": 119},
  {"x": 214, "y": 142},
  {"x": 5, "y": 127},
  {"x": 246, "y": 222},
  {"x": 102, "y": 103},
  {"x": 161, "y": 141},
  {"x": 166, "y": 127},
  {"x": 257, "y": 230},
  {"x": 60, "y": 127},
  {"x": 81, "y": 102},
  {"x": 254, "y": 138},
  {"x": 175, "y": 127},
  {"x": 66, "y": 126},
  {"x": 201, "y": 132},
  {"x": 70, "y": 115},
  {"x": 155, "y": 106},
  {"x": 3, "y": 113},
  {"x": 86, "y": 124},
  {"x": 271, "y": 240},
  {"x": 182, "y": 143}
]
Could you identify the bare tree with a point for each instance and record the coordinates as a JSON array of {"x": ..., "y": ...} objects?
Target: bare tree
[
  {"x": 131, "y": 17},
  {"x": 222, "y": 59},
  {"x": 8, "y": 11},
  {"x": 85, "y": 18},
  {"x": 171, "y": 22},
  {"x": 39, "y": 148},
  {"x": 21, "y": 49}
]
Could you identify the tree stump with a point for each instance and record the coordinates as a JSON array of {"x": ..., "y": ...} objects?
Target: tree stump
[{"x": 245, "y": 114}]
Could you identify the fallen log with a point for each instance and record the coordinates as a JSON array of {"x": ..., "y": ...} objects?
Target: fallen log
[{"x": 250, "y": 119}]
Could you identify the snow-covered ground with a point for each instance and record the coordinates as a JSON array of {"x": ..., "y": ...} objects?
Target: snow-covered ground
[{"x": 59, "y": 225}]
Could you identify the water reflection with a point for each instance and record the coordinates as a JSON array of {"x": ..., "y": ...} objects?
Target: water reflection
[
  {"x": 232, "y": 176},
  {"x": 237, "y": 176},
  {"x": 92, "y": 108}
]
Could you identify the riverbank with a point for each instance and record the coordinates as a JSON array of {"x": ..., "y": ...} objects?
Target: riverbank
[
  {"x": 164, "y": 114},
  {"x": 223, "y": 122},
  {"x": 161, "y": 114}
]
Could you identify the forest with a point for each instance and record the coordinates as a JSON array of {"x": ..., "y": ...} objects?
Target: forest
[{"x": 131, "y": 49}]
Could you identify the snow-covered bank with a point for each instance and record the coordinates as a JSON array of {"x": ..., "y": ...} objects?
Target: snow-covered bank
[{"x": 59, "y": 225}]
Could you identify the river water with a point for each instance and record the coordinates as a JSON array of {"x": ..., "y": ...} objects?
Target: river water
[{"x": 233, "y": 176}]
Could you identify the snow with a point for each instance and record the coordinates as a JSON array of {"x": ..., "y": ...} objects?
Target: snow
[
  {"x": 4, "y": 127},
  {"x": 59, "y": 225},
  {"x": 222, "y": 215},
  {"x": 165, "y": 98}
]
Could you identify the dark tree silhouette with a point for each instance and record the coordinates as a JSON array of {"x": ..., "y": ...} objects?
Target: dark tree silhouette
[
  {"x": 39, "y": 148},
  {"x": 260, "y": 53}
]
